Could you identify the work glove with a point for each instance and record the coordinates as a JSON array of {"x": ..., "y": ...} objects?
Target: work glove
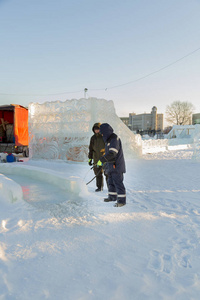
[
  {"x": 99, "y": 163},
  {"x": 90, "y": 162}
]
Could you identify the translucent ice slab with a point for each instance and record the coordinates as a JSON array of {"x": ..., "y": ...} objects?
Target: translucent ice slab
[{"x": 62, "y": 130}]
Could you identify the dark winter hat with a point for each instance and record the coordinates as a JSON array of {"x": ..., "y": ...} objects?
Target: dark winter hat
[
  {"x": 106, "y": 130},
  {"x": 96, "y": 126}
]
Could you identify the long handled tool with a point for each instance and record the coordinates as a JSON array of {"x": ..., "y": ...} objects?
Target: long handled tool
[
  {"x": 99, "y": 170},
  {"x": 87, "y": 173},
  {"x": 94, "y": 176}
]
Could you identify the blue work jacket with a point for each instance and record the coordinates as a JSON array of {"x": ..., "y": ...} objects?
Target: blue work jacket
[{"x": 114, "y": 156}]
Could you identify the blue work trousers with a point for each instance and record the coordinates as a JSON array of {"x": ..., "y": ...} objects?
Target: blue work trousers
[{"x": 116, "y": 188}]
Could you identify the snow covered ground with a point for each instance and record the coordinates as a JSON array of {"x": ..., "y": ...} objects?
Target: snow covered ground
[{"x": 59, "y": 240}]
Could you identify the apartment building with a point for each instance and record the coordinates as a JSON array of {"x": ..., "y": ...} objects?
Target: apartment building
[{"x": 146, "y": 123}]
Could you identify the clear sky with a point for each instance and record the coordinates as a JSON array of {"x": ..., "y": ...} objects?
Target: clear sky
[{"x": 52, "y": 50}]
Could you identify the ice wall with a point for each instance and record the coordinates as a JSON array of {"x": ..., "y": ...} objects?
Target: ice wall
[
  {"x": 196, "y": 145},
  {"x": 181, "y": 132},
  {"x": 186, "y": 134},
  {"x": 10, "y": 191},
  {"x": 62, "y": 130}
]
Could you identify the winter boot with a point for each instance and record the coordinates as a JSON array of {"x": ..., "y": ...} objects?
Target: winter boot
[
  {"x": 110, "y": 199},
  {"x": 119, "y": 204}
]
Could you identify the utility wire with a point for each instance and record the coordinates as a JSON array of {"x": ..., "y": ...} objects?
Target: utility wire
[
  {"x": 112, "y": 87},
  {"x": 167, "y": 66}
]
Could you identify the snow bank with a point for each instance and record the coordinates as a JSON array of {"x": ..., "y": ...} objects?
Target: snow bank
[
  {"x": 154, "y": 146},
  {"x": 10, "y": 191},
  {"x": 180, "y": 137},
  {"x": 71, "y": 184}
]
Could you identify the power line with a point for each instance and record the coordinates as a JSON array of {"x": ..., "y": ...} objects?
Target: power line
[
  {"x": 112, "y": 87},
  {"x": 145, "y": 76}
]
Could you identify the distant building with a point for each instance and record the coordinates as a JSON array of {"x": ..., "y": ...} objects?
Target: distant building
[
  {"x": 125, "y": 120},
  {"x": 146, "y": 123},
  {"x": 195, "y": 119}
]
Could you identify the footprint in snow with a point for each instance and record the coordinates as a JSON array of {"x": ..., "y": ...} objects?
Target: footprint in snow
[
  {"x": 182, "y": 252},
  {"x": 160, "y": 262}
]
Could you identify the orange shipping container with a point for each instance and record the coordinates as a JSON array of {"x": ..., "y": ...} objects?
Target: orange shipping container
[
  {"x": 15, "y": 116},
  {"x": 21, "y": 126}
]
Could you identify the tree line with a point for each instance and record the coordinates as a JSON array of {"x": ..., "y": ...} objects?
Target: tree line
[{"x": 179, "y": 113}]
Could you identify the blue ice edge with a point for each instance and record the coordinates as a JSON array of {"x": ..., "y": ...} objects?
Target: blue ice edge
[{"x": 70, "y": 184}]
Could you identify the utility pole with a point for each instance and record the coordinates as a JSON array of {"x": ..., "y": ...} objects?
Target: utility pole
[{"x": 85, "y": 91}]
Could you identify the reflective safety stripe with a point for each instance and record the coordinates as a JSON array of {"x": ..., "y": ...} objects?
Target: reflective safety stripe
[
  {"x": 112, "y": 193},
  {"x": 121, "y": 196},
  {"x": 113, "y": 149}
]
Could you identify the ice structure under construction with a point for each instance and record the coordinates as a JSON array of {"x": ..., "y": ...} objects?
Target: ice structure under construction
[{"x": 62, "y": 130}]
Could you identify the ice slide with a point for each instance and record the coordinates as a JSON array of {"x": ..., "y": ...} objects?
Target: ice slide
[{"x": 43, "y": 189}]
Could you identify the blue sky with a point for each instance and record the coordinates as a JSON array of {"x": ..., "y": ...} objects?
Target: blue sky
[{"x": 52, "y": 50}]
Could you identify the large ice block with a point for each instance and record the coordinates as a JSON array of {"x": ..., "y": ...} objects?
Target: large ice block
[
  {"x": 196, "y": 144},
  {"x": 62, "y": 130}
]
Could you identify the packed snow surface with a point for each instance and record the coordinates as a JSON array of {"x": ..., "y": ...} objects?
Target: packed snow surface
[{"x": 59, "y": 240}]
